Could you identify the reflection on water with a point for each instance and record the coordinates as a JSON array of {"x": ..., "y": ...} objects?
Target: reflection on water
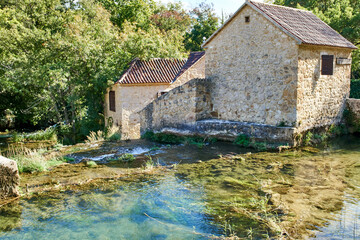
[
  {"x": 302, "y": 193},
  {"x": 346, "y": 223}
]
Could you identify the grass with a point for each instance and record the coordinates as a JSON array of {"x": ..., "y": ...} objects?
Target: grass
[
  {"x": 149, "y": 163},
  {"x": 29, "y": 160}
]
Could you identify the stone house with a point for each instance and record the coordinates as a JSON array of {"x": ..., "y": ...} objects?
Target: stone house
[
  {"x": 143, "y": 82},
  {"x": 271, "y": 72}
]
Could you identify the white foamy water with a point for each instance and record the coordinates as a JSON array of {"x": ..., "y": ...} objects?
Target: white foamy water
[
  {"x": 138, "y": 150},
  {"x": 101, "y": 157}
]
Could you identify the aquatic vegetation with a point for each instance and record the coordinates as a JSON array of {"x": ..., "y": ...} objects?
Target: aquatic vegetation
[
  {"x": 149, "y": 163},
  {"x": 91, "y": 164},
  {"x": 127, "y": 157}
]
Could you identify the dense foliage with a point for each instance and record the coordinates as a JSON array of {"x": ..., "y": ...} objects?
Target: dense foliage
[
  {"x": 341, "y": 15},
  {"x": 355, "y": 88},
  {"x": 57, "y": 57}
]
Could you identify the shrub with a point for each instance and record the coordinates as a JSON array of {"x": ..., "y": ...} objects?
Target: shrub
[
  {"x": 308, "y": 137},
  {"x": 242, "y": 140},
  {"x": 355, "y": 88}
]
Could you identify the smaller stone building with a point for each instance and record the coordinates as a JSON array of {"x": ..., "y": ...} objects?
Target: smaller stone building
[{"x": 145, "y": 81}]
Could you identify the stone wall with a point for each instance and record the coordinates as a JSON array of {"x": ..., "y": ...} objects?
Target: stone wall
[
  {"x": 182, "y": 106},
  {"x": 353, "y": 105},
  {"x": 9, "y": 178},
  {"x": 353, "y": 118},
  {"x": 195, "y": 71},
  {"x": 321, "y": 98},
  {"x": 256, "y": 67}
]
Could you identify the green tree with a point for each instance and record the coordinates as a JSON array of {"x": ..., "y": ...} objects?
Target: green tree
[
  {"x": 56, "y": 58},
  {"x": 341, "y": 15},
  {"x": 205, "y": 25},
  {"x": 139, "y": 11}
]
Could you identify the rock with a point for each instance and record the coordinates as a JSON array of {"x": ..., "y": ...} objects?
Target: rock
[{"x": 9, "y": 178}]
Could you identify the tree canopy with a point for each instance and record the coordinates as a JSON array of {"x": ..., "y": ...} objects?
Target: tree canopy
[{"x": 57, "y": 57}]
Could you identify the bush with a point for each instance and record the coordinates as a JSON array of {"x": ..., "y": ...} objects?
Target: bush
[
  {"x": 355, "y": 88},
  {"x": 242, "y": 140}
]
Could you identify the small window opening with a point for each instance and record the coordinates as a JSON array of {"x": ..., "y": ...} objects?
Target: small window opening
[
  {"x": 247, "y": 19},
  {"x": 162, "y": 93},
  {"x": 327, "y": 64},
  {"x": 112, "y": 101}
]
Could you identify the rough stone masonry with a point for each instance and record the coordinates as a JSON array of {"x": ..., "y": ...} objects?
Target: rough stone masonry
[{"x": 9, "y": 178}]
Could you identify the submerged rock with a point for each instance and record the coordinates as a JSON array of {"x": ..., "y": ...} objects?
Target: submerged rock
[{"x": 9, "y": 178}]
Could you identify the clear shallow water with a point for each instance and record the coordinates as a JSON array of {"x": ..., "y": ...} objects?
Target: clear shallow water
[
  {"x": 200, "y": 200},
  {"x": 167, "y": 208}
]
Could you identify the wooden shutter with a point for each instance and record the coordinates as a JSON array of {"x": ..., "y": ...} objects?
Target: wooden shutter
[
  {"x": 112, "y": 101},
  {"x": 327, "y": 64}
]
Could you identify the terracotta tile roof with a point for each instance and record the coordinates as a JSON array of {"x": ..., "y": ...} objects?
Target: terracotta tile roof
[
  {"x": 299, "y": 24},
  {"x": 157, "y": 70},
  {"x": 193, "y": 58}
]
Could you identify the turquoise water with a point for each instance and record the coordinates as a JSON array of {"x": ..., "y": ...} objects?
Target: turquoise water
[{"x": 166, "y": 208}]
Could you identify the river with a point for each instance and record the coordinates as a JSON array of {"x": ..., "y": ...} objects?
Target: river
[{"x": 210, "y": 192}]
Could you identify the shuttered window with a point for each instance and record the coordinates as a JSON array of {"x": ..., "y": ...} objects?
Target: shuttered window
[
  {"x": 327, "y": 64},
  {"x": 112, "y": 101}
]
